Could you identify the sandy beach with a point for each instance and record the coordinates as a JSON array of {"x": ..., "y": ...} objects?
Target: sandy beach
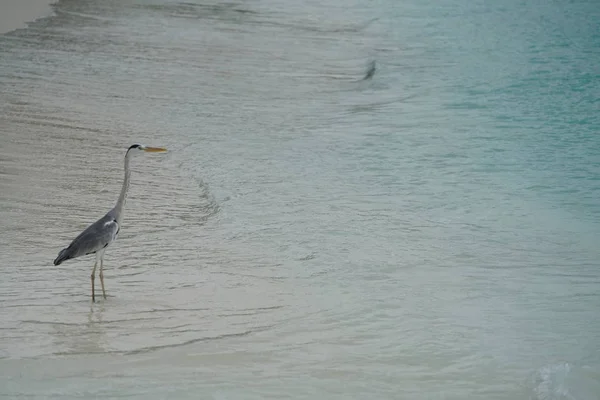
[{"x": 14, "y": 14}]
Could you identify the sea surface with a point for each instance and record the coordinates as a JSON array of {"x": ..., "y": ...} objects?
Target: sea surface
[{"x": 384, "y": 199}]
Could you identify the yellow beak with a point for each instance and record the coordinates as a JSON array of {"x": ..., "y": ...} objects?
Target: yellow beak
[{"x": 155, "y": 149}]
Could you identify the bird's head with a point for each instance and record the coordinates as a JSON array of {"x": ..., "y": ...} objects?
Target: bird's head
[{"x": 141, "y": 147}]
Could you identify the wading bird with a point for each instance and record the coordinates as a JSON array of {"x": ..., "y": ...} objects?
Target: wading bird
[{"x": 103, "y": 232}]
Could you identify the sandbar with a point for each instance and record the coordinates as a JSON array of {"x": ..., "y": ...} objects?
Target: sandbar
[{"x": 14, "y": 14}]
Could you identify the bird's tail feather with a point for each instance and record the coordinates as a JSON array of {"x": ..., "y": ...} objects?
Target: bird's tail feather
[{"x": 62, "y": 256}]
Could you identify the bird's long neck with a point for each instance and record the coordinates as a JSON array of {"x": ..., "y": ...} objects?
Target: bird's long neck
[{"x": 123, "y": 196}]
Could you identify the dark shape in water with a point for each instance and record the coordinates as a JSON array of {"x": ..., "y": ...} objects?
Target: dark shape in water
[{"x": 370, "y": 71}]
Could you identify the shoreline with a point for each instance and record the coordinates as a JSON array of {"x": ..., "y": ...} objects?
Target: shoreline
[{"x": 17, "y": 13}]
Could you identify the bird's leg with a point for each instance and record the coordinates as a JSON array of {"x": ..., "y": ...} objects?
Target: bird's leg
[
  {"x": 94, "y": 277},
  {"x": 102, "y": 276}
]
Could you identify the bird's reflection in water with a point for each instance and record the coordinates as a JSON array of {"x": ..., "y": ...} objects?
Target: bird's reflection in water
[{"x": 87, "y": 337}]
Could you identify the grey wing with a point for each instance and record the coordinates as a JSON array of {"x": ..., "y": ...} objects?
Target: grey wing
[{"x": 96, "y": 237}]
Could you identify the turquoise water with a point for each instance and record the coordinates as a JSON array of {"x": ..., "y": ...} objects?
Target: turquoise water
[{"x": 430, "y": 232}]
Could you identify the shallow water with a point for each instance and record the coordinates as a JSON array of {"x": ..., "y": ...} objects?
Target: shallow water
[{"x": 430, "y": 232}]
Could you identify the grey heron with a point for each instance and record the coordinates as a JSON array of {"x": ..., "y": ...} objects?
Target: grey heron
[{"x": 96, "y": 237}]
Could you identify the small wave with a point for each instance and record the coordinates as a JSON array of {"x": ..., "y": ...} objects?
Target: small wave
[
  {"x": 564, "y": 381},
  {"x": 197, "y": 340},
  {"x": 49, "y": 323},
  {"x": 173, "y": 309}
]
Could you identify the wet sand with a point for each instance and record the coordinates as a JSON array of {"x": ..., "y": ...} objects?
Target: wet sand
[{"x": 15, "y": 14}]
